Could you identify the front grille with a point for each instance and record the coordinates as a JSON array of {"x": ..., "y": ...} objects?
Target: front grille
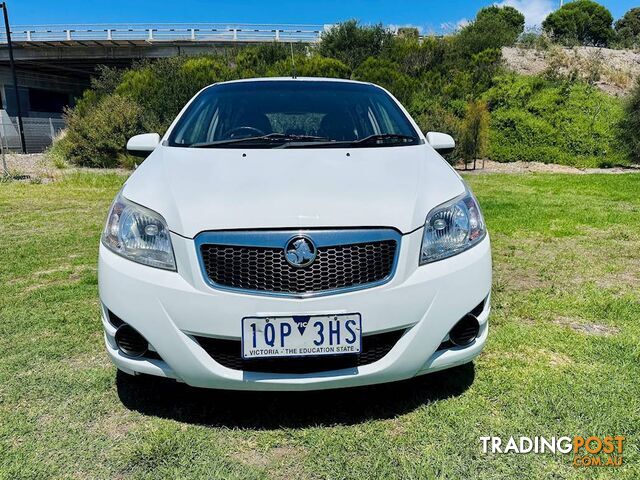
[
  {"x": 229, "y": 354},
  {"x": 265, "y": 269}
]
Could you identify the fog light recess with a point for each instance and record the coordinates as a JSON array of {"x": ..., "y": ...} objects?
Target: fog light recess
[
  {"x": 465, "y": 331},
  {"x": 130, "y": 342}
]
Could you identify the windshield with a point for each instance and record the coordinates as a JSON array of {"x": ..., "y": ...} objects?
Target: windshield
[{"x": 293, "y": 113}]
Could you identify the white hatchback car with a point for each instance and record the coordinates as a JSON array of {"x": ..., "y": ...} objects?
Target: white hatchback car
[{"x": 293, "y": 234}]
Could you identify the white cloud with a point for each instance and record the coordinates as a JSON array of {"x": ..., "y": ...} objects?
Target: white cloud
[
  {"x": 534, "y": 11},
  {"x": 448, "y": 27}
]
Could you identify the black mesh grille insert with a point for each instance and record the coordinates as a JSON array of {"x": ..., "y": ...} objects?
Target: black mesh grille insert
[
  {"x": 229, "y": 354},
  {"x": 266, "y": 269}
]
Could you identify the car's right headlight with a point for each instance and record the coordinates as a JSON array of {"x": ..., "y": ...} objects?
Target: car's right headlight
[
  {"x": 138, "y": 234},
  {"x": 452, "y": 228}
]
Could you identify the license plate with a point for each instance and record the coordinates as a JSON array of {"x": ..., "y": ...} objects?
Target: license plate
[{"x": 301, "y": 335}]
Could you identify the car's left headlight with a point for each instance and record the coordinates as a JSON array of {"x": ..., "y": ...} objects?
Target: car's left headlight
[
  {"x": 138, "y": 234},
  {"x": 452, "y": 228}
]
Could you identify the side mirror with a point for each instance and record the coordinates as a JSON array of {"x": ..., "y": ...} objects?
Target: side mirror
[
  {"x": 142, "y": 145},
  {"x": 441, "y": 142}
]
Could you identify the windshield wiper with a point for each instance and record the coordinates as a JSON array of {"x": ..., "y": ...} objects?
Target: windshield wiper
[
  {"x": 285, "y": 140},
  {"x": 271, "y": 138},
  {"x": 371, "y": 140},
  {"x": 381, "y": 138}
]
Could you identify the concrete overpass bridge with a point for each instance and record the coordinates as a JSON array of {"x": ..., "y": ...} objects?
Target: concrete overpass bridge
[
  {"x": 77, "y": 49},
  {"x": 125, "y": 41},
  {"x": 54, "y": 63}
]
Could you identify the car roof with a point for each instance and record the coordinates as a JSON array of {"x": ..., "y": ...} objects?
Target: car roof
[{"x": 295, "y": 79}]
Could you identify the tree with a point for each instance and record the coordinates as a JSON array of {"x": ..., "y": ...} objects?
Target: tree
[
  {"x": 582, "y": 22},
  {"x": 474, "y": 135},
  {"x": 352, "y": 43},
  {"x": 628, "y": 29},
  {"x": 417, "y": 56},
  {"x": 484, "y": 67},
  {"x": 408, "y": 32},
  {"x": 97, "y": 139},
  {"x": 630, "y": 125},
  {"x": 387, "y": 74},
  {"x": 313, "y": 66},
  {"x": 511, "y": 16},
  {"x": 255, "y": 60},
  {"x": 494, "y": 28},
  {"x": 162, "y": 87}
]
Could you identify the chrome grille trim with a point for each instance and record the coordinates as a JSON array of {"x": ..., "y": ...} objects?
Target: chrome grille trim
[{"x": 277, "y": 239}]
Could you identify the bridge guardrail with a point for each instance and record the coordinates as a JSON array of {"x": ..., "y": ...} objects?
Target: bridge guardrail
[{"x": 200, "y": 32}]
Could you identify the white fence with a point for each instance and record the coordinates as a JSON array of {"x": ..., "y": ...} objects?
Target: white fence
[
  {"x": 199, "y": 32},
  {"x": 38, "y": 133}
]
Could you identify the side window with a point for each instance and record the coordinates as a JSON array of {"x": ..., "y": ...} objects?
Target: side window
[
  {"x": 390, "y": 117},
  {"x": 388, "y": 125},
  {"x": 200, "y": 126},
  {"x": 373, "y": 121}
]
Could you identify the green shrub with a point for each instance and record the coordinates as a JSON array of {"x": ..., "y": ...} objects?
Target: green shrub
[
  {"x": 552, "y": 122},
  {"x": 484, "y": 67},
  {"x": 433, "y": 115},
  {"x": 386, "y": 74},
  {"x": 314, "y": 66},
  {"x": 163, "y": 87},
  {"x": 628, "y": 29},
  {"x": 511, "y": 18},
  {"x": 494, "y": 28},
  {"x": 537, "y": 41},
  {"x": 630, "y": 125},
  {"x": 439, "y": 80},
  {"x": 408, "y": 32},
  {"x": 57, "y": 155},
  {"x": 474, "y": 132},
  {"x": 352, "y": 43},
  {"x": 417, "y": 57},
  {"x": 98, "y": 139},
  {"x": 256, "y": 60},
  {"x": 581, "y": 22}
]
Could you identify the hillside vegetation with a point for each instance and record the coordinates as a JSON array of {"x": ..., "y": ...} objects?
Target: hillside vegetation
[
  {"x": 457, "y": 84},
  {"x": 612, "y": 71}
]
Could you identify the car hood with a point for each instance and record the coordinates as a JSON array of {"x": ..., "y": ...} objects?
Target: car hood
[{"x": 219, "y": 189}]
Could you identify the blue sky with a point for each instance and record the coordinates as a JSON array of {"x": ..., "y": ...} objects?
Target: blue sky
[{"x": 429, "y": 15}]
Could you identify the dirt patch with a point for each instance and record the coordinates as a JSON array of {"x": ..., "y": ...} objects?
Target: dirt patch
[
  {"x": 531, "y": 355},
  {"x": 39, "y": 168},
  {"x": 114, "y": 425},
  {"x": 396, "y": 429},
  {"x": 262, "y": 459},
  {"x": 615, "y": 70},
  {"x": 61, "y": 268},
  {"x": 595, "y": 329},
  {"x": 538, "y": 167},
  {"x": 30, "y": 167},
  {"x": 75, "y": 275},
  {"x": 85, "y": 362},
  {"x": 537, "y": 263},
  {"x": 556, "y": 359},
  {"x": 38, "y": 279}
]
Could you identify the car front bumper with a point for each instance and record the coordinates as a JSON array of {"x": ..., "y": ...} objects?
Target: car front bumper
[{"x": 170, "y": 309}]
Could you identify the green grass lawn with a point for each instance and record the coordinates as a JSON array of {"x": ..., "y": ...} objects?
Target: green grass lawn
[{"x": 563, "y": 357}]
